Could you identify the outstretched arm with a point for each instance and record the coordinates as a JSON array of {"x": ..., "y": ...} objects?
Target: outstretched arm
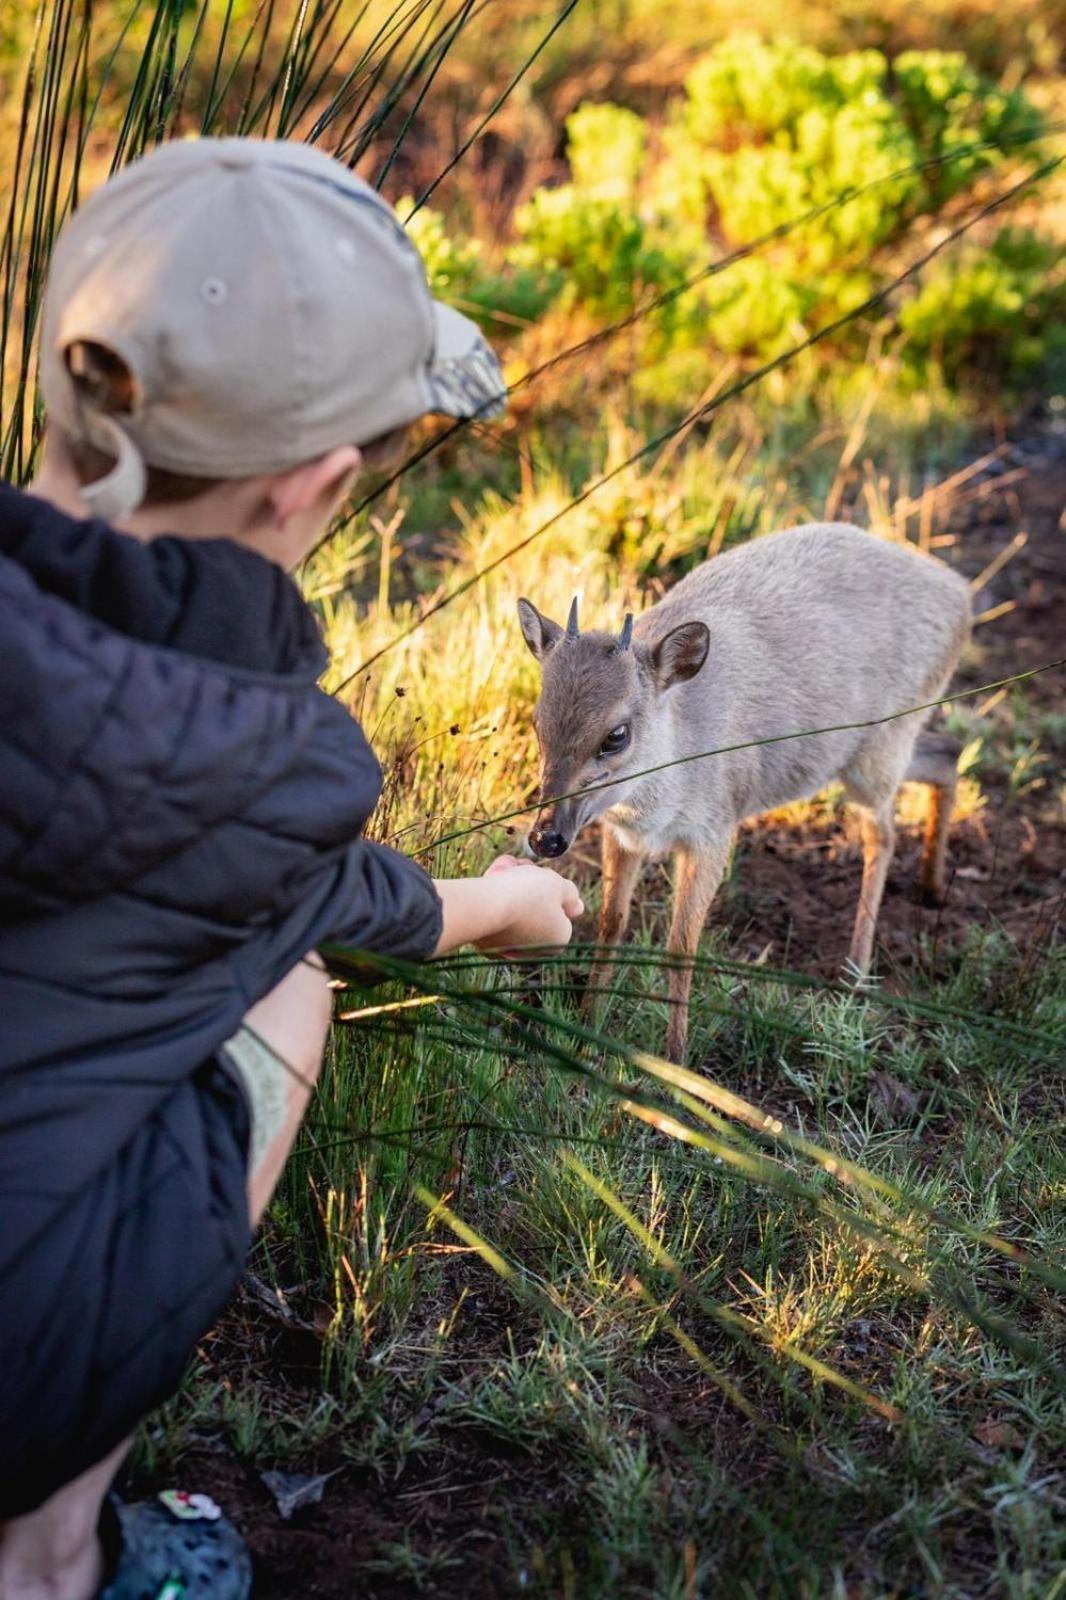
[{"x": 511, "y": 907}]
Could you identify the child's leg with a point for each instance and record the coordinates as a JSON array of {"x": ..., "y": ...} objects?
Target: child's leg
[
  {"x": 53, "y": 1553},
  {"x": 292, "y": 1021}
]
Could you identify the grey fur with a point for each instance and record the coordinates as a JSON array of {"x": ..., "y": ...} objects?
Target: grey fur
[{"x": 814, "y": 626}]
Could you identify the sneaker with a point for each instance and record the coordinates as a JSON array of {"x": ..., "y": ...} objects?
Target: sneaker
[{"x": 176, "y": 1547}]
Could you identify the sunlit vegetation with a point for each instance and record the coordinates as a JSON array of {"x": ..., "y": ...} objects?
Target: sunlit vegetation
[{"x": 569, "y": 1323}]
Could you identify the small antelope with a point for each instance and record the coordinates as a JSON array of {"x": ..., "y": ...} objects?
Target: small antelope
[{"x": 815, "y": 626}]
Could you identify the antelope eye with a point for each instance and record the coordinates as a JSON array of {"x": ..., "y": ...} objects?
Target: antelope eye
[{"x": 616, "y": 740}]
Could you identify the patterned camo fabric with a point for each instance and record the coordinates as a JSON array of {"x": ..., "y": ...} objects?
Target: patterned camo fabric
[
  {"x": 164, "y": 1557},
  {"x": 471, "y": 385}
]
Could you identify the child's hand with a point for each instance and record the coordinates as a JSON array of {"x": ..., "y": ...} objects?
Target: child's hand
[
  {"x": 503, "y": 864},
  {"x": 515, "y": 906},
  {"x": 538, "y": 906}
]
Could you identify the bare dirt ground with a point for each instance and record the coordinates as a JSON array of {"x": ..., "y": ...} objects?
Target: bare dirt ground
[{"x": 794, "y": 890}]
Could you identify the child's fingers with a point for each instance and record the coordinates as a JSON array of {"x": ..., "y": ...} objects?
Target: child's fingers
[
  {"x": 570, "y": 901},
  {"x": 504, "y": 864},
  {"x": 573, "y": 904}
]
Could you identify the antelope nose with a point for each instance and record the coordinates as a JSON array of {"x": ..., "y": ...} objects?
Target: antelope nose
[{"x": 547, "y": 842}]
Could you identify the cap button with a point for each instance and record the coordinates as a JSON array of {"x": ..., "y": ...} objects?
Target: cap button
[{"x": 236, "y": 152}]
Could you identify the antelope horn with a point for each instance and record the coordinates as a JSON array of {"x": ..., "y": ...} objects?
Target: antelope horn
[
  {"x": 571, "y": 621},
  {"x": 625, "y": 639}
]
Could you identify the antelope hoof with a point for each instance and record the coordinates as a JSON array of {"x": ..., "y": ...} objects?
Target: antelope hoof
[
  {"x": 677, "y": 1044},
  {"x": 932, "y": 893}
]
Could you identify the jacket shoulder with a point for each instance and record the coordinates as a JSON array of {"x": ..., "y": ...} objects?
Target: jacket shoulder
[{"x": 115, "y": 755}]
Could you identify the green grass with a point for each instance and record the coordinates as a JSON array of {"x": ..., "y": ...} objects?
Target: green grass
[
  {"x": 635, "y": 1370},
  {"x": 564, "y": 1325}
]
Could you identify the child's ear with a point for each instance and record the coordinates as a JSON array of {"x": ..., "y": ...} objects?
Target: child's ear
[{"x": 314, "y": 483}]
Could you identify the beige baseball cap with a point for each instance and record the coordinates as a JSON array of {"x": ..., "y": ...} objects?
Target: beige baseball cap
[{"x": 268, "y": 306}]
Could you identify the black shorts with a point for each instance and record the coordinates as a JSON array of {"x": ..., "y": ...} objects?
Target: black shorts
[{"x": 101, "y": 1312}]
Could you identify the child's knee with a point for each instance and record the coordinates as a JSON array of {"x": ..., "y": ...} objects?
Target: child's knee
[
  {"x": 292, "y": 1021},
  {"x": 277, "y": 1055}
]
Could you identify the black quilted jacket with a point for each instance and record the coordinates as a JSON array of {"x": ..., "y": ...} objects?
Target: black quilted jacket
[{"x": 181, "y": 812}]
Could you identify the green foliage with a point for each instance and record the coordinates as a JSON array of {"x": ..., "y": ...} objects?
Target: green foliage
[
  {"x": 458, "y": 274},
  {"x": 999, "y": 310},
  {"x": 619, "y": 1400},
  {"x": 590, "y": 232},
  {"x": 771, "y": 131},
  {"x": 758, "y": 187},
  {"x": 601, "y": 249},
  {"x": 749, "y": 88},
  {"x": 755, "y": 310},
  {"x": 765, "y": 133},
  {"x": 606, "y": 146},
  {"x": 947, "y": 103}
]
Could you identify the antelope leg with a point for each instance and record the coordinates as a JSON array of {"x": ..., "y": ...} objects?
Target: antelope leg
[
  {"x": 699, "y": 872},
  {"x": 878, "y": 843},
  {"x": 621, "y": 869}
]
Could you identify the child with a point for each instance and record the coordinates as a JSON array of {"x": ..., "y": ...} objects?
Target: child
[{"x": 232, "y": 329}]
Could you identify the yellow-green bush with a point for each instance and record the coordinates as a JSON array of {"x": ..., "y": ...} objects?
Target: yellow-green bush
[
  {"x": 459, "y": 274},
  {"x": 999, "y": 311},
  {"x": 763, "y": 134}
]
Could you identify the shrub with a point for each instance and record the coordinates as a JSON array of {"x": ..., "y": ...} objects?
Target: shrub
[
  {"x": 998, "y": 310},
  {"x": 606, "y": 146},
  {"x": 947, "y": 103},
  {"x": 602, "y": 249},
  {"x": 459, "y": 274},
  {"x": 755, "y": 310},
  {"x": 748, "y": 88},
  {"x": 764, "y": 133},
  {"x": 758, "y": 187}
]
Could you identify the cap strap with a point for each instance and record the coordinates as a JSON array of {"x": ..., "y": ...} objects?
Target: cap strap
[{"x": 120, "y": 491}]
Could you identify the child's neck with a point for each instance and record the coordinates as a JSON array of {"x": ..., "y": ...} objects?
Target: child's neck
[{"x": 215, "y": 515}]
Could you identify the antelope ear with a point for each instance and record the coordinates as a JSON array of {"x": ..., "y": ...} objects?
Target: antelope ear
[
  {"x": 540, "y": 633},
  {"x": 681, "y": 654}
]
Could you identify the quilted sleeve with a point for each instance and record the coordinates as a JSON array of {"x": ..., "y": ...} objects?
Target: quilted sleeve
[
  {"x": 374, "y": 898},
  {"x": 382, "y": 903},
  {"x": 204, "y": 806}
]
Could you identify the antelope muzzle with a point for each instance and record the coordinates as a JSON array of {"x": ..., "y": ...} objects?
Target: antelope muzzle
[
  {"x": 547, "y": 840},
  {"x": 559, "y": 821}
]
